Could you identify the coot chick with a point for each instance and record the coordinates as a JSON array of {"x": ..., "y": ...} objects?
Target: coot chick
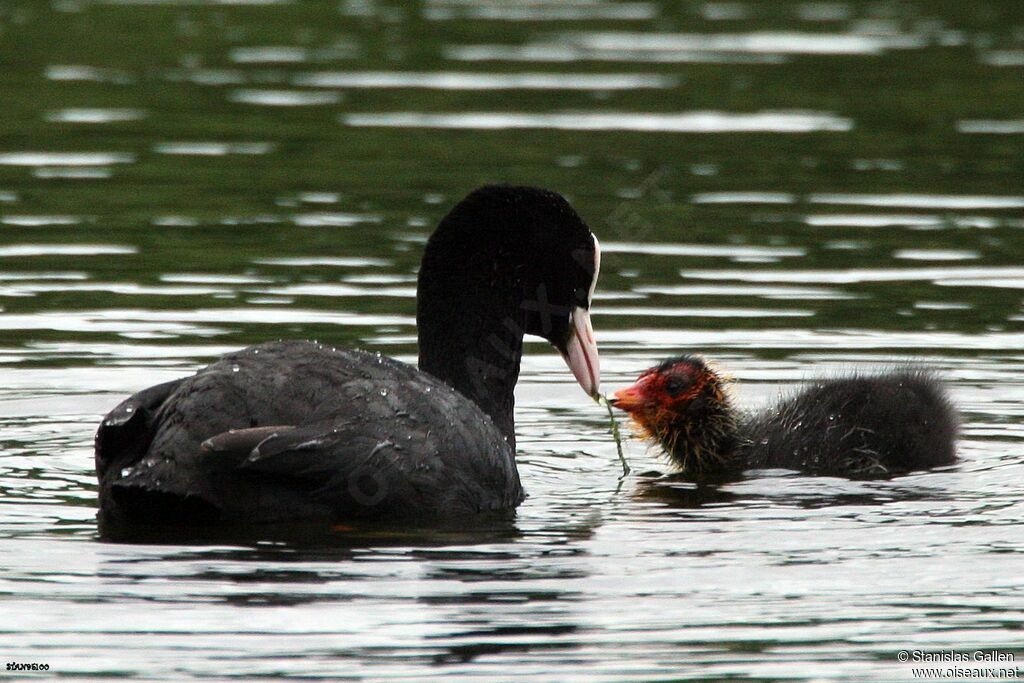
[
  {"x": 862, "y": 426},
  {"x": 297, "y": 431}
]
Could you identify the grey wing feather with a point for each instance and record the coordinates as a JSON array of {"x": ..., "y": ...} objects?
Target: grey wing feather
[{"x": 352, "y": 466}]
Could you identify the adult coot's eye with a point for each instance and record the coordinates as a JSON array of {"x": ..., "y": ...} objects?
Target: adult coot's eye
[{"x": 674, "y": 385}]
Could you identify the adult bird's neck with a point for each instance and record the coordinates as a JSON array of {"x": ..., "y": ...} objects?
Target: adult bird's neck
[{"x": 471, "y": 334}]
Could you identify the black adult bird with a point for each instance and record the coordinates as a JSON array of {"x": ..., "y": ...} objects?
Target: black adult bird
[
  {"x": 862, "y": 427},
  {"x": 299, "y": 431}
]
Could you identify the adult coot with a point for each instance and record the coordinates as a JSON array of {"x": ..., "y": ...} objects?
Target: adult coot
[
  {"x": 301, "y": 431},
  {"x": 864, "y": 426}
]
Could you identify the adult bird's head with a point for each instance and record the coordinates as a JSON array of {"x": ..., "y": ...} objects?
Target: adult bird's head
[
  {"x": 507, "y": 261},
  {"x": 558, "y": 284}
]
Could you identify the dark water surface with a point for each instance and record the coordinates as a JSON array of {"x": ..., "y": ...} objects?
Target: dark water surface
[{"x": 789, "y": 187}]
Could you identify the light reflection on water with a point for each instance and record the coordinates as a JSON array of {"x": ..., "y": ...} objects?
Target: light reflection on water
[
  {"x": 64, "y": 158},
  {"x": 687, "y": 122},
  {"x": 773, "y": 187},
  {"x": 32, "y": 250},
  {"x": 482, "y": 81}
]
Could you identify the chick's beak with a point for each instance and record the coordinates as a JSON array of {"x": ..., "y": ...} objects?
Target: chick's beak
[
  {"x": 630, "y": 399},
  {"x": 581, "y": 352}
]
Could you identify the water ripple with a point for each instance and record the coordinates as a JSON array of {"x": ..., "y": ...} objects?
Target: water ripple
[
  {"x": 656, "y": 340},
  {"x": 213, "y": 149},
  {"x": 761, "y": 42},
  {"x": 123, "y": 288},
  {"x": 689, "y": 122},
  {"x": 936, "y": 254},
  {"x": 284, "y": 98},
  {"x": 702, "y": 312},
  {"x": 743, "y": 198},
  {"x": 272, "y": 54},
  {"x": 452, "y": 80},
  {"x": 328, "y": 219},
  {"x": 920, "y": 201},
  {"x": 329, "y": 261},
  {"x": 783, "y": 292},
  {"x": 94, "y": 115},
  {"x": 78, "y": 72},
  {"x": 701, "y": 250},
  {"x": 854, "y": 275},
  {"x": 1013, "y": 127},
  {"x": 539, "y": 10},
  {"x": 875, "y": 221},
  {"x": 567, "y": 53},
  {"x": 17, "y": 250},
  {"x": 64, "y": 158},
  {"x": 1009, "y": 58},
  {"x": 39, "y": 221},
  {"x": 765, "y": 47}
]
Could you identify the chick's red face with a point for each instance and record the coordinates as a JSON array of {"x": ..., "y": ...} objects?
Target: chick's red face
[{"x": 662, "y": 392}]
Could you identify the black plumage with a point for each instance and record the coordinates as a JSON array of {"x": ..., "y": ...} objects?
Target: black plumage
[
  {"x": 860, "y": 426},
  {"x": 301, "y": 431}
]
